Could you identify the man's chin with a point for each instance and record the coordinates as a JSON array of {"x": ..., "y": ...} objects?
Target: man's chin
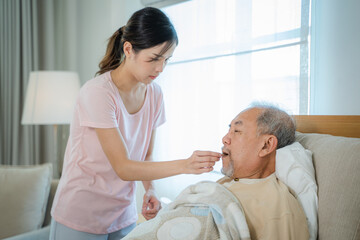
[{"x": 227, "y": 172}]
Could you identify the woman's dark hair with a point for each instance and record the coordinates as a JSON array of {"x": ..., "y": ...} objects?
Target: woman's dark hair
[{"x": 146, "y": 28}]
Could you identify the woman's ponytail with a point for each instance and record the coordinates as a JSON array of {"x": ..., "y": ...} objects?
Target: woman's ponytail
[
  {"x": 146, "y": 28},
  {"x": 113, "y": 55}
]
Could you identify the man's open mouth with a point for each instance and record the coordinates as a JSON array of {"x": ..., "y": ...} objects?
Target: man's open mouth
[{"x": 225, "y": 152}]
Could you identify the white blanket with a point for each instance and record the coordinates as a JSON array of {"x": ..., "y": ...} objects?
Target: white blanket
[{"x": 206, "y": 210}]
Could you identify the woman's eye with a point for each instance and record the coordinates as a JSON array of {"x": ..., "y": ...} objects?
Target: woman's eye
[{"x": 154, "y": 60}]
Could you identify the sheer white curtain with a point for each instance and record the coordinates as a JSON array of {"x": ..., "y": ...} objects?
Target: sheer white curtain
[{"x": 230, "y": 53}]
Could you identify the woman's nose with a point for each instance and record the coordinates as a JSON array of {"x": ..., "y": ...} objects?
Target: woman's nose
[{"x": 160, "y": 67}]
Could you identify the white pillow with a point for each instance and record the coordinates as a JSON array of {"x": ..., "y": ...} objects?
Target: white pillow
[
  {"x": 295, "y": 168},
  {"x": 24, "y": 192}
]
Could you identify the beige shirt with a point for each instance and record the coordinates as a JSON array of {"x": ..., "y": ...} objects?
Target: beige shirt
[{"x": 271, "y": 211}]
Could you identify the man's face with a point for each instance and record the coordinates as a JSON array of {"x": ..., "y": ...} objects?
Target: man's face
[{"x": 242, "y": 146}]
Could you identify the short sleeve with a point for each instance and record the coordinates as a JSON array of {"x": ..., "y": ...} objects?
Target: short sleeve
[
  {"x": 159, "y": 117},
  {"x": 97, "y": 107}
]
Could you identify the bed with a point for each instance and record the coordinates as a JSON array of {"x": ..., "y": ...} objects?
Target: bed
[
  {"x": 335, "y": 145},
  {"x": 336, "y": 159}
]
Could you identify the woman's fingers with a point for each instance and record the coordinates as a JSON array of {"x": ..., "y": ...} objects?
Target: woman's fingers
[
  {"x": 207, "y": 154},
  {"x": 203, "y": 161},
  {"x": 151, "y": 205},
  {"x": 207, "y": 159},
  {"x": 149, "y": 216},
  {"x": 203, "y": 170},
  {"x": 206, "y": 164},
  {"x": 151, "y": 211}
]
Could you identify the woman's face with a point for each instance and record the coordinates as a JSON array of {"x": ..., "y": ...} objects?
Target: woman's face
[{"x": 147, "y": 64}]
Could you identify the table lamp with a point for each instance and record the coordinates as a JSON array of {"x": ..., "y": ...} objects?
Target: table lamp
[{"x": 50, "y": 99}]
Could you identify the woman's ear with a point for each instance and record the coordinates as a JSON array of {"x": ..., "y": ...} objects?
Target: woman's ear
[
  {"x": 128, "y": 49},
  {"x": 270, "y": 145}
]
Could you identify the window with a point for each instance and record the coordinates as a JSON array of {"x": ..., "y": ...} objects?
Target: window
[{"x": 230, "y": 53}]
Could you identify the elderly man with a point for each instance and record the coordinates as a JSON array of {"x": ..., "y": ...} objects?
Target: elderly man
[
  {"x": 249, "y": 151},
  {"x": 250, "y": 202}
]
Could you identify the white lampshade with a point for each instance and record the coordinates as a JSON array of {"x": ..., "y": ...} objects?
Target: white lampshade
[{"x": 50, "y": 97}]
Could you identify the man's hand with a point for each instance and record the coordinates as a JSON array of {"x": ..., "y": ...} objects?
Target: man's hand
[{"x": 151, "y": 205}]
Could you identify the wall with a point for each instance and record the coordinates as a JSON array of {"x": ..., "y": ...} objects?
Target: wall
[
  {"x": 83, "y": 28},
  {"x": 335, "y": 57}
]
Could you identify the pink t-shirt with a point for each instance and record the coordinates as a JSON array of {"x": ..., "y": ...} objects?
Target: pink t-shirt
[{"x": 90, "y": 196}]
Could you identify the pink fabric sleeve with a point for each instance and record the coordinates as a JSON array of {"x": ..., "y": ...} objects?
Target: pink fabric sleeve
[
  {"x": 160, "y": 108},
  {"x": 97, "y": 107}
]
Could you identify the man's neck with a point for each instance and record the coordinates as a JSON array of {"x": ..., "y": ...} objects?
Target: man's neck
[{"x": 265, "y": 169}]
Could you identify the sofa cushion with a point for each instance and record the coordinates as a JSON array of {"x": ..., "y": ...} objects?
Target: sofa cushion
[
  {"x": 23, "y": 197},
  {"x": 337, "y": 167},
  {"x": 54, "y": 184}
]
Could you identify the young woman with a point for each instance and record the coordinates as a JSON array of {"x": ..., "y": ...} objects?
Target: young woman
[{"x": 112, "y": 136}]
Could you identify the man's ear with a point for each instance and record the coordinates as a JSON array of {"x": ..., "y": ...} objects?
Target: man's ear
[
  {"x": 128, "y": 49},
  {"x": 270, "y": 144}
]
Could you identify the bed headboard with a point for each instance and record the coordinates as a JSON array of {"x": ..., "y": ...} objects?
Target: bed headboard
[{"x": 337, "y": 125}]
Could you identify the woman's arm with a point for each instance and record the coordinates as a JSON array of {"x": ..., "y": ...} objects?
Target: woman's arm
[
  {"x": 113, "y": 145},
  {"x": 148, "y": 185},
  {"x": 151, "y": 204}
]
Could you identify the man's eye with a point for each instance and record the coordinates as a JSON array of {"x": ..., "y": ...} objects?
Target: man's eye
[
  {"x": 154, "y": 60},
  {"x": 237, "y": 131}
]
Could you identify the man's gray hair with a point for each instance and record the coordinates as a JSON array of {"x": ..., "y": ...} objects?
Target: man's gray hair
[{"x": 272, "y": 120}]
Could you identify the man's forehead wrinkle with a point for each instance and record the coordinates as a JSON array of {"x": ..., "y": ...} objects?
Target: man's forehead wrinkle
[{"x": 238, "y": 122}]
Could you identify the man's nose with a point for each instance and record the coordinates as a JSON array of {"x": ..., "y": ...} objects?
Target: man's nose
[{"x": 226, "y": 139}]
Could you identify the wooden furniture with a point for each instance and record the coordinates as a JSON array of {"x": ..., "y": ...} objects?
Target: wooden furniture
[{"x": 337, "y": 125}]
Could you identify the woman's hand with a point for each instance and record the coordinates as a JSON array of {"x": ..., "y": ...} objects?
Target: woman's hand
[
  {"x": 201, "y": 162},
  {"x": 151, "y": 205}
]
